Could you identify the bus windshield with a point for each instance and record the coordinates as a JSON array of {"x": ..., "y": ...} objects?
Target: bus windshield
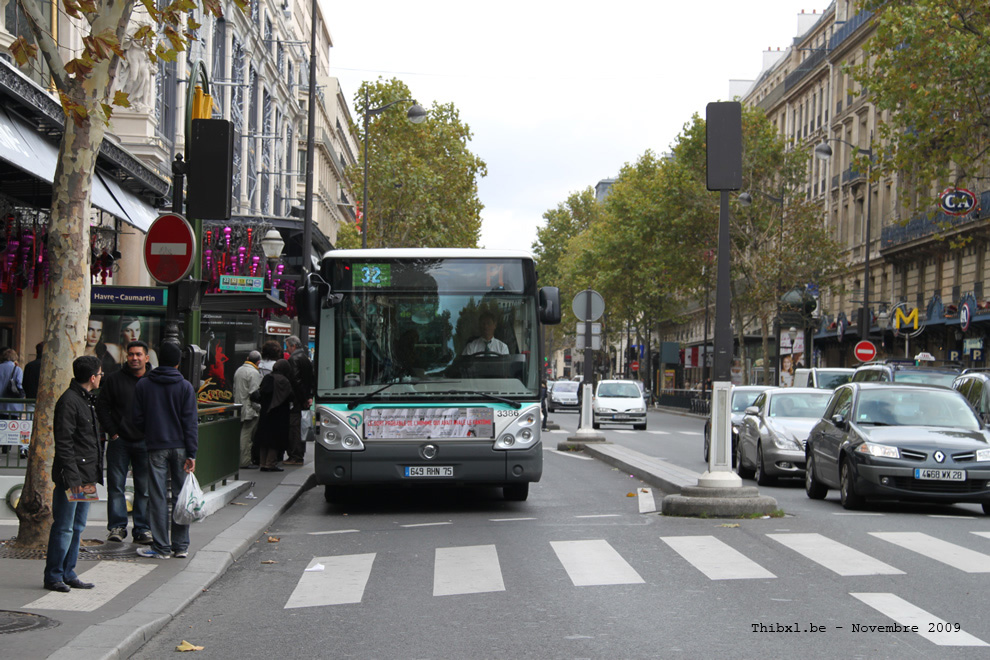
[{"x": 428, "y": 345}]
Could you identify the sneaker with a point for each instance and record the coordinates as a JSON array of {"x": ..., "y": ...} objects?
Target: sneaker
[
  {"x": 117, "y": 534},
  {"x": 150, "y": 554},
  {"x": 181, "y": 554},
  {"x": 143, "y": 538}
]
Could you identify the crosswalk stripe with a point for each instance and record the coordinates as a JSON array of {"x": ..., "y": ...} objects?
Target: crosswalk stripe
[
  {"x": 472, "y": 569},
  {"x": 658, "y": 432},
  {"x": 907, "y": 614},
  {"x": 716, "y": 559},
  {"x": 951, "y": 554},
  {"x": 983, "y": 534},
  {"x": 834, "y": 556},
  {"x": 690, "y": 432},
  {"x": 110, "y": 578},
  {"x": 571, "y": 454},
  {"x": 342, "y": 580},
  {"x": 647, "y": 504},
  {"x": 594, "y": 563},
  {"x": 625, "y": 431}
]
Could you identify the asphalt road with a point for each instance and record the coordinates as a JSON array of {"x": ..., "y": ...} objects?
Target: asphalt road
[{"x": 579, "y": 571}]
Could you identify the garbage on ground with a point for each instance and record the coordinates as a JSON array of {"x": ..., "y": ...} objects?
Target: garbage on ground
[
  {"x": 273, "y": 539},
  {"x": 186, "y": 646},
  {"x": 251, "y": 496},
  {"x": 315, "y": 568}
]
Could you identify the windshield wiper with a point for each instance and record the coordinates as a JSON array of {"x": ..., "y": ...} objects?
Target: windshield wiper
[
  {"x": 351, "y": 405},
  {"x": 485, "y": 395}
]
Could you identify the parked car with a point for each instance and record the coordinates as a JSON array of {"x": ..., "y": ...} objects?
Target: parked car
[
  {"x": 564, "y": 395},
  {"x": 618, "y": 402},
  {"x": 743, "y": 397},
  {"x": 906, "y": 371},
  {"x": 774, "y": 430},
  {"x": 974, "y": 384},
  {"x": 899, "y": 442},
  {"x": 827, "y": 378}
]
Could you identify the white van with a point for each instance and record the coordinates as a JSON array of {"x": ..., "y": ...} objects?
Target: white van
[{"x": 822, "y": 378}]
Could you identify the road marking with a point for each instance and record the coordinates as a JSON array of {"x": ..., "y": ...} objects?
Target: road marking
[
  {"x": 472, "y": 569},
  {"x": 433, "y": 524},
  {"x": 835, "y": 556},
  {"x": 594, "y": 563},
  {"x": 647, "y": 504},
  {"x": 341, "y": 581},
  {"x": 333, "y": 531},
  {"x": 110, "y": 578},
  {"x": 938, "y": 515},
  {"x": 964, "y": 559},
  {"x": 624, "y": 431},
  {"x": 508, "y": 519},
  {"x": 985, "y": 535},
  {"x": 907, "y": 614},
  {"x": 601, "y": 515},
  {"x": 658, "y": 432},
  {"x": 716, "y": 559},
  {"x": 855, "y": 513},
  {"x": 690, "y": 432},
  {"x": 560, "y": 431},
  {"x": 571, "y": 454}
]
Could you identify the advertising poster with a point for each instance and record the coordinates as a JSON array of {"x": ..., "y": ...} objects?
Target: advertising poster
[{"x": 429, "y": 423}]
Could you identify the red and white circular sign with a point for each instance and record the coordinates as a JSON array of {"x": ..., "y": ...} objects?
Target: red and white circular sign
[
  {"x": 865, "y": 351},
  {"x": 169, "y": 248}
]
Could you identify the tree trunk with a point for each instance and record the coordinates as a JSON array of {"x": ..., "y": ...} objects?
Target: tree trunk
[
  {"x": 67, "y": 299},
  {"x": 765, "y": 336}
]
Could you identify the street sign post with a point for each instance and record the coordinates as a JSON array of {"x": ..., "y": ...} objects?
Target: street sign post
[
  {"x": 169, "y": 248},
  {"x": 865, "y": 351}
]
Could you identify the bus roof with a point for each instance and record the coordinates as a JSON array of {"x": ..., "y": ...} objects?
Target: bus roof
[{"x": 428, "y": 253}]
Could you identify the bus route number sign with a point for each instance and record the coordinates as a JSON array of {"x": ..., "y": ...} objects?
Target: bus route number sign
[{"x": 373, "y": 275}]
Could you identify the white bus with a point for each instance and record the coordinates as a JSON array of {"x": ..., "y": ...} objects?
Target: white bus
[{"x": 428, "y": 367}]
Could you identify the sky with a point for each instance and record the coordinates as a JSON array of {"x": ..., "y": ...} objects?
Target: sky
[{"x": 558, "y": 94}]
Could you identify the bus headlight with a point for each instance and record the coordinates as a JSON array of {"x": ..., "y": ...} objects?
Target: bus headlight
[
  {"x": 334, "y": 434},
  {"x": 521, "y": 433}
]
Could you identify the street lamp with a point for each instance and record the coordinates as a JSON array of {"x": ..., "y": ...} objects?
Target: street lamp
[
  {"x": 824, "y": 152},
  {"x": 746, "y": 199},
  {"x": 272, "y": 245},
  {"x": 416, "y": 114}
]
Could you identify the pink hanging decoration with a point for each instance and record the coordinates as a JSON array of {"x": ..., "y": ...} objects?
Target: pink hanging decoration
[
  {"x": 240, "y": 259},
  {"x": 254, "y": 265}
]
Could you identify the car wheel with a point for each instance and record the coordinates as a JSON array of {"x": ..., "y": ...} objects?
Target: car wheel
[
  {"x": 708, "y": 442},
  {"x": 741, "y": 469},
  {"x": 596, "y": 425},
  {"x": 762, "y": 478},
  {"x": 639, "y": 427},
  {"x": 815, "y": 489},
  {"x": 986, "y": 508},
  {"x": 335, "y": 494},
  {"x": 515, "y": 492},
  {"x": 847, "y": 488}
]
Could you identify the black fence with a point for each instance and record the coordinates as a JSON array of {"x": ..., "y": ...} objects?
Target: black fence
[{"x": 695, "y": 401}]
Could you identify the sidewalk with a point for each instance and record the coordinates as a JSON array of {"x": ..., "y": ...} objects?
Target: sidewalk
[{"x": 134, "y": 597}]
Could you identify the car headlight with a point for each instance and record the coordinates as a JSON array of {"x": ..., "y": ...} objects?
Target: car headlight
[
  {"x": 880, "y": 451},
  {"x": 522, "y": 433},
  {"x": 604, "y": 410},
  {"x": 983, "y": 454},
  {"x": 637, "y": 410},
  {"x": 334, "y": 433},
  {"x": 783, "y": 442}
]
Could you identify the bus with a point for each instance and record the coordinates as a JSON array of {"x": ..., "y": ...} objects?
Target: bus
[{"x": 428, "y": 367}]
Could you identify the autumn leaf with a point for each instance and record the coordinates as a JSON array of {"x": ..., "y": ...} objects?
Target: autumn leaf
[
  {"x": 122, "y": 99},
  {"x": 186, "y": 646},
  {"x": 273, "y": 539},
  {"x": 23, "y": 51}
]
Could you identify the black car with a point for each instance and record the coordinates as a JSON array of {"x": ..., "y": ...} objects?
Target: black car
[
  {"x": 899, "y": 442},
  {"x": 743, "y": 397},
  {"x": 894, "y": 370},
  {"x": 974, "y": 384}
]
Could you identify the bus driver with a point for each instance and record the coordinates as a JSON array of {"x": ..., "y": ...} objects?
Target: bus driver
[{"x": 486, "y": 344}]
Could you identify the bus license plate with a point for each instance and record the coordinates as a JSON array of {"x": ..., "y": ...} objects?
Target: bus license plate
[
  {"x": 940, "y": 475},
  {"x": 429, "y": 471}
]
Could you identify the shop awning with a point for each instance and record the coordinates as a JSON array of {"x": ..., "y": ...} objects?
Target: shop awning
[{"x": 28, "y": 150}]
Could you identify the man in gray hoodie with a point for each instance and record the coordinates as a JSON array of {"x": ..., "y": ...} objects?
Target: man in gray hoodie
[{"x": 165, "y": 411}]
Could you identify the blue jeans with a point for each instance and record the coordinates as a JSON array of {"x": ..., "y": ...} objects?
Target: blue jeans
[
  {"x": 120, "y": 455},
  {"x": 63, "y": 540},
  {"x": 166, "y": 464}
]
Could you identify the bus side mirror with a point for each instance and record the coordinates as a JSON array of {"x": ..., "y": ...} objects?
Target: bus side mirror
[
  {"x": 549, "y": 305},
  {"x": 309, "y": 299}
]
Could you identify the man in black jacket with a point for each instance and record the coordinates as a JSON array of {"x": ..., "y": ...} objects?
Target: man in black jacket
[
  {"x": 165, "y": 410},
  {"x": 125, "y": 447},
  {"x": 77, "y": 468},
  {"x": 302, "y": 386}
]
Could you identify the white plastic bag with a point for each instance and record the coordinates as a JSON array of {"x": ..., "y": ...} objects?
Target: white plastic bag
[{"x": 191, "y": 505}]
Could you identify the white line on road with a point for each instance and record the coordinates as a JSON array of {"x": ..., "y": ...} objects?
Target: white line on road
[
  {"x": 907, "y": 614},
  {"x": 110, "y": 578},
  {"x": 647, "y": 504},
  {"x": 950, "y": 554},
  {"x": 658, "y": 432},
  {"x": 433, "y": 524},
  {"x": 625, "y": 431},
  {"x": 341, "y": 581},
  {"x": 591, "y": 563},
  {"x": 333, "y": 531},
  {"x": 570, "y": 454},
  {"x": 601, "y": 515},
  {"x": 508, "y": 519},
  {"x": 716, "y": 559},
  {"x": 835, "y": 556},
  {"x": 560, "y": 431},
  {"x": 983, "y": 534},
  {"x": 690, "y": 432},
  {"x": 855, "y": 513},
  {"x": 939, "y": 515},
  {"x": 470, "y": 569}
]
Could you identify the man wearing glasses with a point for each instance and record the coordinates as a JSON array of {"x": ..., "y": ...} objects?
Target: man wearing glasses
[{"x": 77, "y": 468}]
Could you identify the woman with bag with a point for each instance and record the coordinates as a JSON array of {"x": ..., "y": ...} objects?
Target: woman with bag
[
  {"x": 12, "y": 381},
  {"x": 276, "y": 397}
]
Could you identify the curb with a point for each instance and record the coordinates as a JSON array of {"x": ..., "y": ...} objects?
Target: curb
[{"x": 123, "y": 636}]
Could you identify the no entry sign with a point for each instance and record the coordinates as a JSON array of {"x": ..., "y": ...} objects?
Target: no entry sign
[
  {"x": 865, "y": 351},
  {"x": 169, "y": 248}
]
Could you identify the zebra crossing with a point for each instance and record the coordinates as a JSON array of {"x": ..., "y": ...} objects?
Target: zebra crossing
[{"x": 463, "y": 570}]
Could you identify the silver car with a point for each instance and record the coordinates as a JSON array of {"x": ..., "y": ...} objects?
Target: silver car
[{"x": 774, "y": 430}]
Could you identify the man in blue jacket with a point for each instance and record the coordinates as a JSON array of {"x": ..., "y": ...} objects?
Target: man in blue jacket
[{"x": 165, "y": 410}]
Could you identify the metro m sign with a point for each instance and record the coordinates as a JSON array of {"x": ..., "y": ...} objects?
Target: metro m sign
[{"x": 899, "y": 316}]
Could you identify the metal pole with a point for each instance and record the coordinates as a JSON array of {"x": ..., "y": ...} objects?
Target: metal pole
[
  {"x": 780, "y": 261},
  {"x": 722, "y": 365},
  {"x": 307, "y": 241},
  {"x": 704, "y": 351},
  {"x": 866, "y": 319},
  {"x": 364, "y": 204}
]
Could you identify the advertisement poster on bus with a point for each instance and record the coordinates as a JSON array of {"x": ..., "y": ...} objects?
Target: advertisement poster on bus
[{"x": 473, "y": 422}]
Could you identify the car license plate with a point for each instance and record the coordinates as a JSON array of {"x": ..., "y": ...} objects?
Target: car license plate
[
  {"x": 940, "y": 475},
  {"x": 429, "y": 471}
]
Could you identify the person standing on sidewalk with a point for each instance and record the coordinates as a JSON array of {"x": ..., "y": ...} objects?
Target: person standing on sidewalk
[
  {"x": 125, "y": 447},
  {"x": 276, "y": 399},
  {"x": 247, "y": 378},
  {"x": 77, "y": 468},
  {"x": 165, "y": 410},
  {"x": 302, "y": 385}
]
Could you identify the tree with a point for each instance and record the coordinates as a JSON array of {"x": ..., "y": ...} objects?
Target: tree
[
  {"x": 85, "y": 89},
  {"x": 423, "y": 179},
  {"x": 928, "y": 74}
]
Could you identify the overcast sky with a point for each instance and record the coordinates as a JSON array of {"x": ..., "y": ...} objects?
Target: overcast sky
[{"x": 558, "y": 94}]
